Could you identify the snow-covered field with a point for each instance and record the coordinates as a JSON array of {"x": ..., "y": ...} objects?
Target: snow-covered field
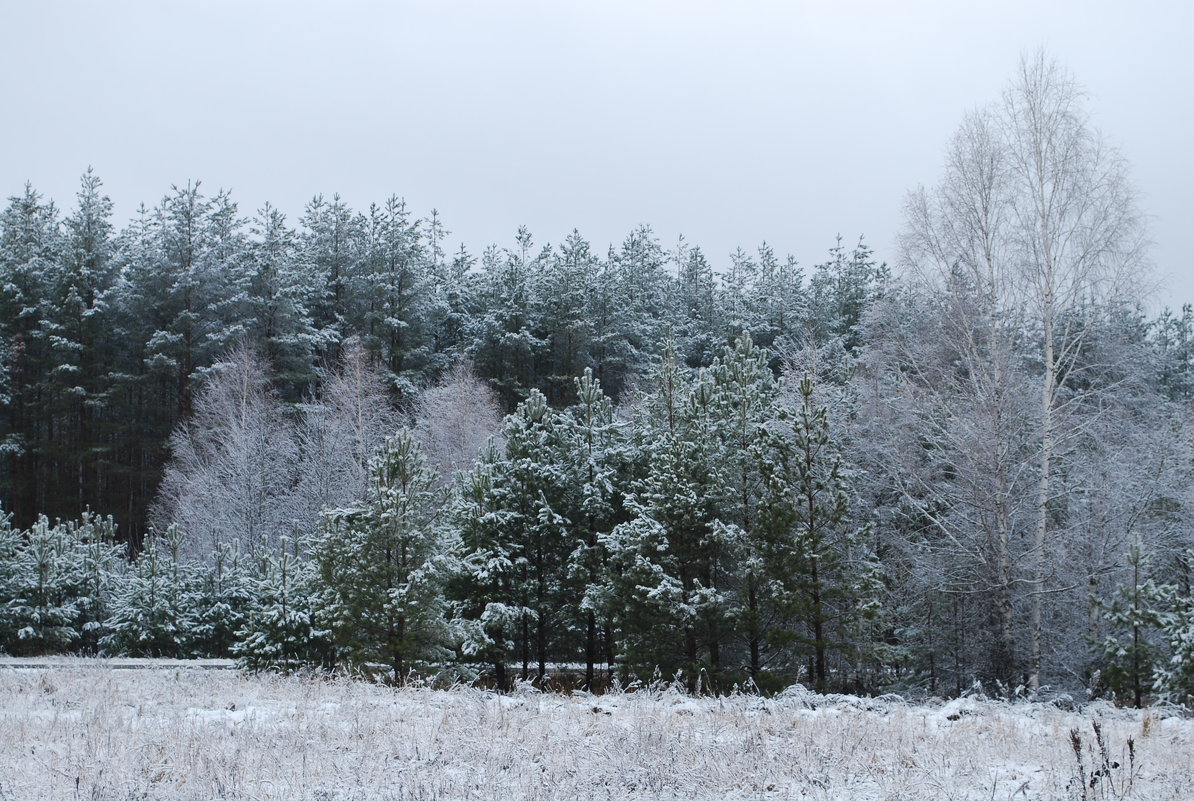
[{"x": 78, "y": 729}]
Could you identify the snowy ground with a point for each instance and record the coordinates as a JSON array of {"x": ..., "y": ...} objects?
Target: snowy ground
[{"x": 78, "y": 729}]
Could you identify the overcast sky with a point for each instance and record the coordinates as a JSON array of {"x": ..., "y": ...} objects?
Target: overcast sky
[{"x": 730, "y": 123}]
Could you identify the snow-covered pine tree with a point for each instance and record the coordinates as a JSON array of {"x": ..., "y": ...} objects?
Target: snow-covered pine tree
[
  {"x": 381, "y": 567},
  {"x": 483, "y": 610},
  {"x": 778, "y": 295},
  {"x": 217, "y": 602},
  {"x": 516, "y": 548},
  {"x": 821, "y": 574},
  {"x": 841, "y": 290},
  {"x": 41, "y": 608},
  {"x": 148, "y": 612},
  {"x": 77, "y": 321},
  {"x": 395, "y": 282},
  {"x": 281, "y": 630},
  {"x": 696, "y": 307},
  {"x": 30, "y": 246},
  {"x": 53, "y": 580},
  {"x": 745, "y": 396},
  {"x": 1174, "y": 680},
  {"x": 94, "y": 557},
  {"x": 559, "y": 291},
  {"x": 594, "y": 451},
  {"x": 331, "y": 245},
  {"x": 670, "y": 563},
  {"x": 502, "y": 337},
  {"x": 280, "y": 293}
]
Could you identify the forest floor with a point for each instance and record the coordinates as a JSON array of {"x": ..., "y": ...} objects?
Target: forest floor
[{"x": 78, "y": 729}]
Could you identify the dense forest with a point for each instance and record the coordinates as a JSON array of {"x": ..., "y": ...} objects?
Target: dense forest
[{"x": 335, "y": 443}]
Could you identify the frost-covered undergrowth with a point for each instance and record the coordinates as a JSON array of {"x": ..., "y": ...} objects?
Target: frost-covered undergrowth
[{"x": 85, "y": 731}]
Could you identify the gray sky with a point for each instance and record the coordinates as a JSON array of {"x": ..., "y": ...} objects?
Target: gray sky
[{"x": 728, "y": 122}]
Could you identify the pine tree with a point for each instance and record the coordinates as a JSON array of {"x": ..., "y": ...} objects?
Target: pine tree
[
  {"x": 1174, "y": 680},
  {"x": 818, "y": 566},
  {"x": 745, "y": 401},
  {"x": 41, "y": 608},
  {"x": 482, "y": 591},
  {"x": 281, "y": 291},
  {"x": 331, "y": 245},
  {"x": 503, "y": 340},
  {"x": 699, "y": 320},
  {"x": 77, "y": 321},
  {"x": 528, "y": 535},
  {"x": 394, "y": 278},
  {"x": 149, "y": 616},
  {"x": 381, "y": 567},
  {"x": 595, "y": 454},
  {"x": 30, "y": 247},
  {"x": 841, "y": 290},
  {"x": 217, "y": 603},
  {"x": 559, "y": 293},
  {"x": 282, "y": 629},
  {"x": 670, "y": 563}
]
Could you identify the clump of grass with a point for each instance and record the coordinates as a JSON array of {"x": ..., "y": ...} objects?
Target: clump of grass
[{"x": 1107, "y": 779}]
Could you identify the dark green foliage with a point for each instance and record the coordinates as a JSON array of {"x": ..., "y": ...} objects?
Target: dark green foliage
[
  {"x": 282, "y": 630},
  {"x": 380, "y": 567}
]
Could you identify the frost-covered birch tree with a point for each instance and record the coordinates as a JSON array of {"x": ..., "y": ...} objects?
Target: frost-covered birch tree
[
  {"x": 232, "y": 470},
  {"x": 1033, "y": 218}
]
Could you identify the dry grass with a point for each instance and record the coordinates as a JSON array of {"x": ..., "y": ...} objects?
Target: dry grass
[{"x": 84, "y": 731}]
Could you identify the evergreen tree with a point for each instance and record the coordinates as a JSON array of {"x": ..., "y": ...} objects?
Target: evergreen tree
[
  {"x": 559, "y": 293},
  {"x": 818, "y": 567},
  {"x": 698, "y": 327},
  {"x": 30, "y": 247},
  {"x": 77, "y": 322},
  {"x": 381, "y": 567},
  {"x": 484, "y": 607},
  {"x": 594, "y": 450},
  {"x": 671, "y": 567},
  {"x": 516, "y": 541},
  {"x": 745, "y": 401},
  {"x": 841, "y": 290},
  {"x": 282, "y": 629},
  {"x": 149, "y": 616},
  {"x": 331, "y": 245},
  {"x": 53, "y": 578},
  {"x": 281, "y": 292},
  {"x": 504, "y": 345},
  {"x": 217, "y": 604},
  {"x": 394, "y": 279},
  {"x": 1174, "y": 680}
]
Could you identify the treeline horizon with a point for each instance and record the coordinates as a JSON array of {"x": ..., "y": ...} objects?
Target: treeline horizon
[
  {"x": 979, "y": 471},
  {"x": 107, "y": 334}
]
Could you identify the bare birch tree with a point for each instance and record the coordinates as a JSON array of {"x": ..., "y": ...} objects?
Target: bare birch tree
[
  {"x": 338, "y": 435},
  {"x": 455, "y": 419},
  {"x": 230, "y": 479},
  {"x": 1034, "y": 218}
]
